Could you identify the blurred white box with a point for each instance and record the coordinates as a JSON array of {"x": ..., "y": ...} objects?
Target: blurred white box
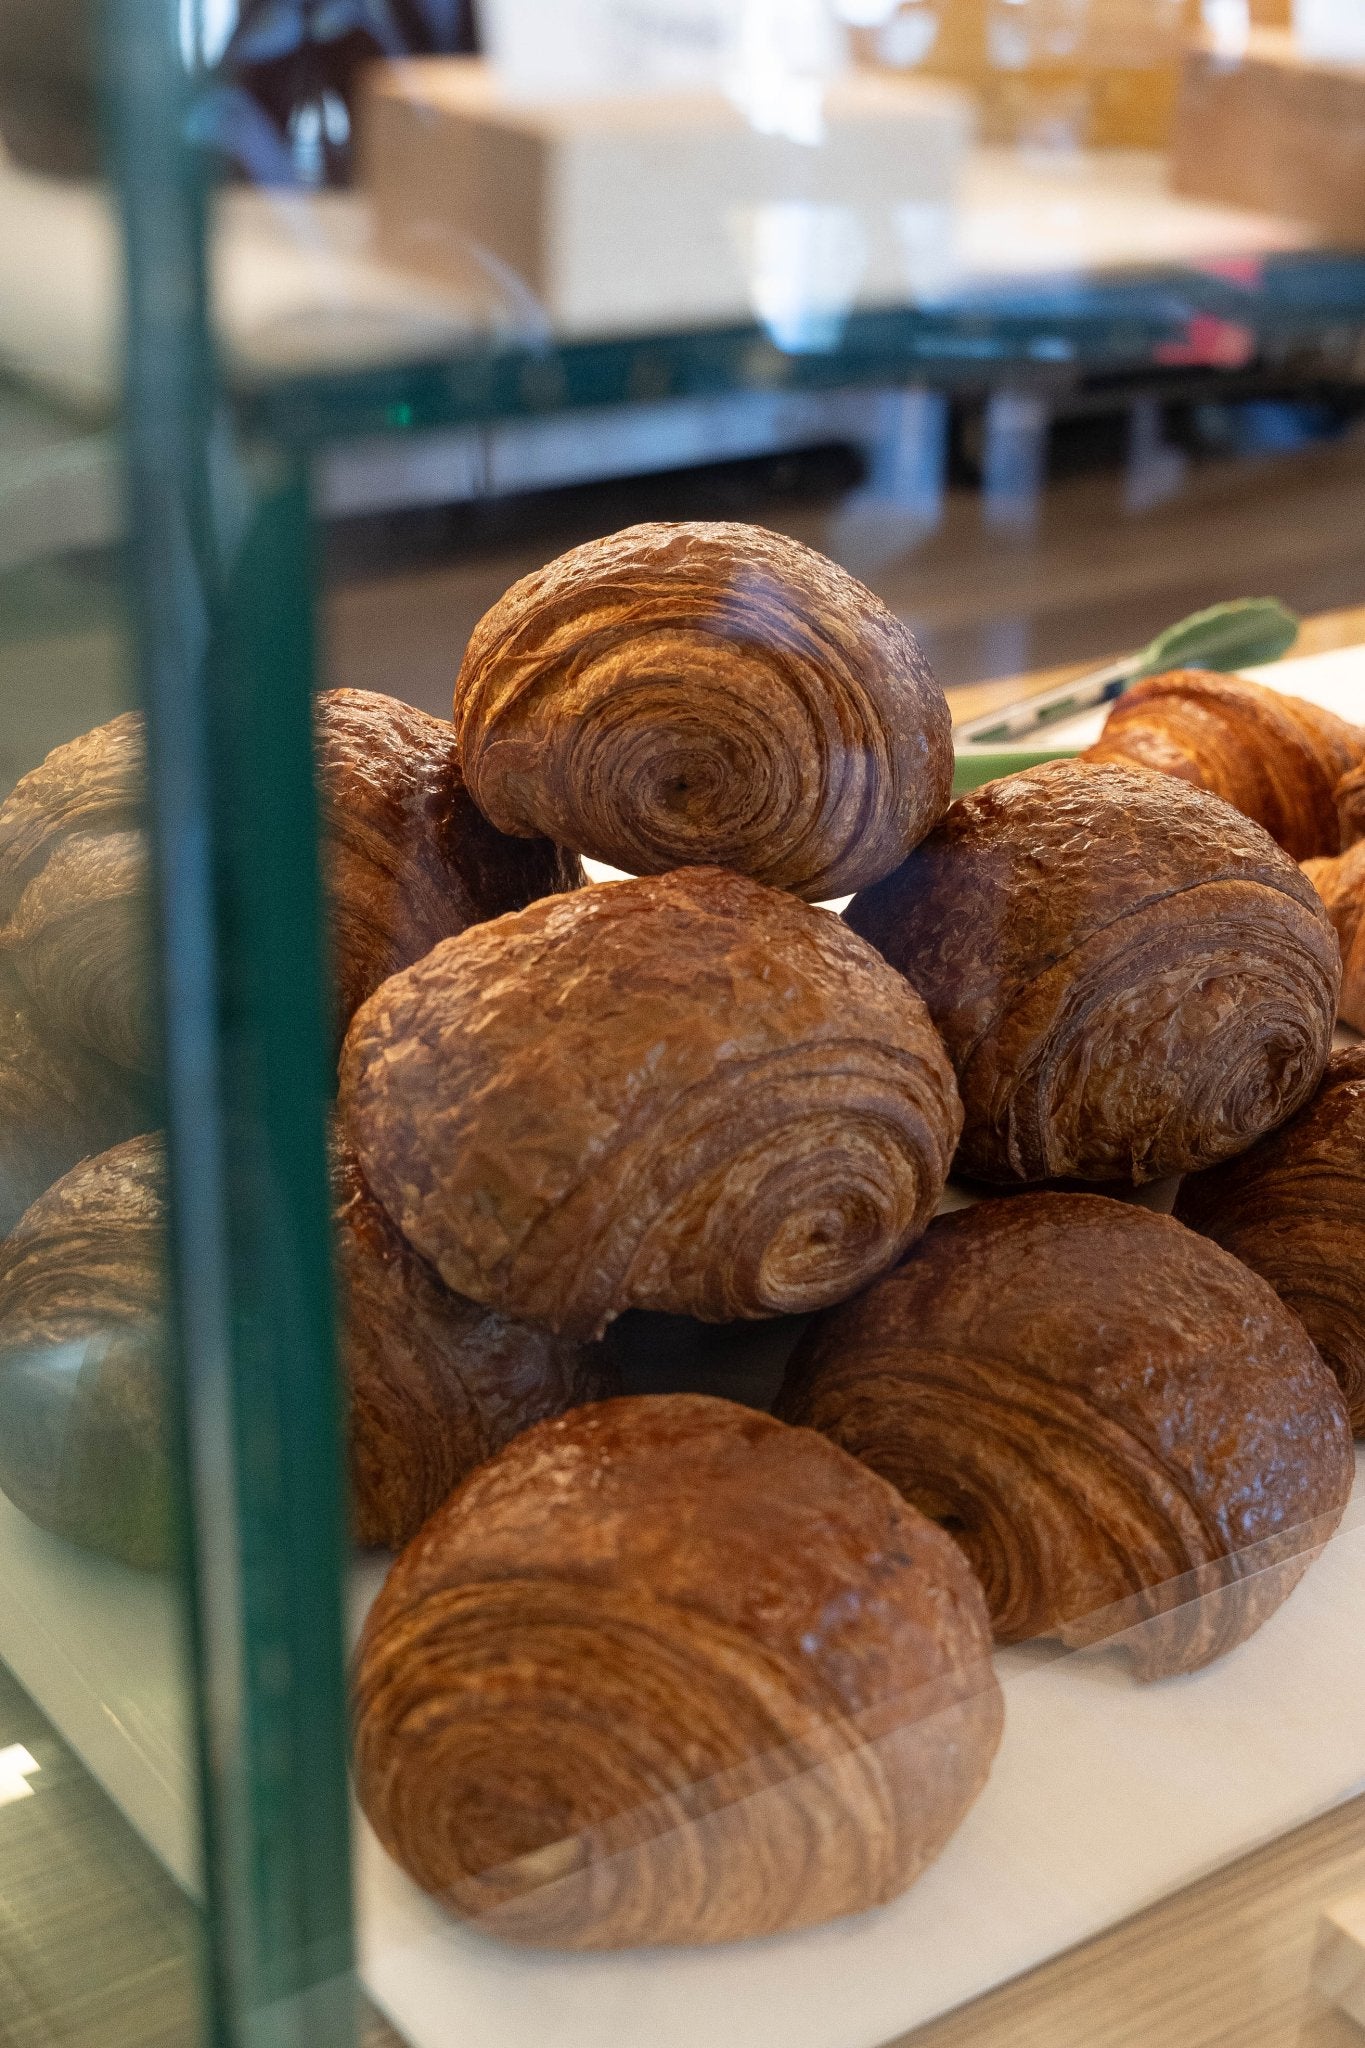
[
  {"x": 1331, "y": 30},
  {"x": 661, "y": 210}
]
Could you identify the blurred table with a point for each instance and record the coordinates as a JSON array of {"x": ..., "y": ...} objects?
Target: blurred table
[{"x": 1048, "y": 261}]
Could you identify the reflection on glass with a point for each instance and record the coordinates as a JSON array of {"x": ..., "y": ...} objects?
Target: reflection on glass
[
  {"x": 806, "y": 264},
  {"x": 84, "y": 1445},
  {"x": 95, "y": 1677}
]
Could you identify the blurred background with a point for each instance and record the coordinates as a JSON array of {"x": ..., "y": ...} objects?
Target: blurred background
[{"x": 1043, "y": 315}]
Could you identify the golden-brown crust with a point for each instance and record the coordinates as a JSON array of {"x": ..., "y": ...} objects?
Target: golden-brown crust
[
  {"x": 94, "y": 783},
  {"x": 58, "y": 1104},
  {"x": 1119, "y": 1423},
  {"x": 1341, "y": 885},
  {"x": 1350, "y": 803},
  {"x": 666, "y": 1671},
  {"x": 437, "y": 1384},
  {"x": 699, "y": 694},
  {"x": 83, "y": 1437},
  {"x": 685, "y": 1092},
  {"x": 78, "y": 941},
  {"x": 1293, "y": 1209},
  {"x": 1278, "y": 759},
  {"x": 408, "y": 859},
  {"x": 1131, "y": 978}
]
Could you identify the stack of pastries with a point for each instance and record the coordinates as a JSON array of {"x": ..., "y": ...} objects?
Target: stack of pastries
[
  {"x": 1293, "y": 767},
  {"x": 662, "y": 1668}
]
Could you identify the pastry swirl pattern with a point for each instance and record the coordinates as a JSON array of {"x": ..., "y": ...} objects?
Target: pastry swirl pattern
[
  {"x": 84, "y": 1437},
  {"x": 1132, "y": 979},
  {"x": 1340, "y": 883},
  {"x": 706, "y": 694},
  {"x": 1122, "y": 1427},
  {"x": 435, "y": 1383},
  {"x": 665, "y": 1671},
  {"x": 1277, "y": 759},
  {"x": 407, "y": 860},
  {"x": 58, "y": 1103},
  {"x": 686, "y": 1092},
  {"x": 1293, "y": 1209}
]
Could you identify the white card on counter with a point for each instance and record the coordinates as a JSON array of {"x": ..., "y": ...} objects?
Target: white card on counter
[{"x": 564, "y": 49}]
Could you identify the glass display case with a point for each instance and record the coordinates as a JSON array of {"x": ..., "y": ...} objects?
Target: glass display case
[{"x": 683, "y": 1163}]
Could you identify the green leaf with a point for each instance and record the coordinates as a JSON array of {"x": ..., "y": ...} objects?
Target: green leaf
[{"x": 1243, "y": 634}]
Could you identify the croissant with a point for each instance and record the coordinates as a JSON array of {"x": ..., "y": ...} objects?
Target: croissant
[
  {"x": 1341, "y": 885},
  {"x": 97, "y": 780},
  {"x": 1350, "y": 802},
  {"x": 436, "y": 1383},
  {"x": 1131, "y": 978},
  {"x": 1277, "y": 759},
  {"x": 1117, "y": 1421},
  {"x": 1293, "y": 1209},
  {"x": 687, "y": 1093},
  {"x": 408, "y": 859},
  {"x": 697, "y": 694},
  {"x": 78, "y": 942},
  {"x": 665, "y": 1671},
  {"x": 57, "y": 1104},
  {"x": 84, "y": 1444}
]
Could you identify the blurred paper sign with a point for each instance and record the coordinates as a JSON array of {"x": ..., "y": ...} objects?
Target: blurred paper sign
[
  {"x": 555, "y": 49},
  {"x": 1333, "y": 31},
  {"x": 548, "y": 49}
]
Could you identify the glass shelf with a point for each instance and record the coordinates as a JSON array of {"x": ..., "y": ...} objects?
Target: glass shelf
[{"x": 1308, "y": 305}]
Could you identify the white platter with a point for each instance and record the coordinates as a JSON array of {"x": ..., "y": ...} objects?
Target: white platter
[{"x": 1106, "y": 1796}]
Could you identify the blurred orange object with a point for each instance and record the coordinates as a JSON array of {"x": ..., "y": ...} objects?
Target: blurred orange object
[
  {"x": 1091, "y": 73},
  {"x": 1277, "y": 132}
]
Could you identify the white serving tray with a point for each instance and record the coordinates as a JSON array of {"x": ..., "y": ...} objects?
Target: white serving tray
[{"x": 1106, "y": 1796}]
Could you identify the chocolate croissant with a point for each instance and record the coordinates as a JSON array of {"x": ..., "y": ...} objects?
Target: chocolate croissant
[
  {"x": 1341, "y": 885},
  {"x": 1350, "y": 804},
  {"x": 1277, "y": 759},
  {"x": 58, "y": 1104},
  {"x": 78, "y": 942},
  {"x": 84, "y": 1438},
  {"x": 1293, "y": 1209},
  {"x": 407, "y": 859},
  {"x": 665, "y": 1671},
  {"x": 686, "y": 1092},
  {"x": 689, "y": 695},
  {"x": 73, "y": 894},
  {"x": 1131, "y": 978},
  {"x": 1121, "y": 1425},
  {"x": 436, "y": 1383}
]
